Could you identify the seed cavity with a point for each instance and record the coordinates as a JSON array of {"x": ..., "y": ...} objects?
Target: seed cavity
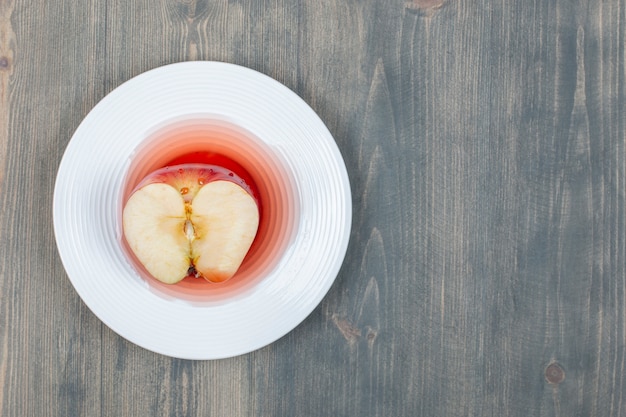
[
  {"x": 192, "y": 272},
  {"x": 189, "y": 230}
]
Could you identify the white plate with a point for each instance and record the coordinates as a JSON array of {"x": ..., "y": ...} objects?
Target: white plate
[{"x": 88, "y": 197}]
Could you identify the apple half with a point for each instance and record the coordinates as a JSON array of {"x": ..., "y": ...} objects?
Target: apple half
[{"x": 191, "y": 219}]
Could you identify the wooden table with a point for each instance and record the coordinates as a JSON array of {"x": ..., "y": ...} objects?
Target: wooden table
[{"x": 485, "y": 143}]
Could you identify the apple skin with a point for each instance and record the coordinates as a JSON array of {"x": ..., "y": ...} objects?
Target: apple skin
[
  {"x": 191, "y": 219},
  {"x": 188, "y": 179}
]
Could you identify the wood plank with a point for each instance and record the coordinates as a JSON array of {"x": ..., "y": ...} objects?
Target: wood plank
[
  {"x": 6, "y": 64},
  {"x": 510, "y": 219},
  {"x": 50, "y": 351}
]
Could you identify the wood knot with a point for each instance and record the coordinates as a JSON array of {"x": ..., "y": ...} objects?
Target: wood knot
[
  {"x": 349, "y": 331},
  {"x": 4, "y": 63},
  {"x": 554, "y": 374}
]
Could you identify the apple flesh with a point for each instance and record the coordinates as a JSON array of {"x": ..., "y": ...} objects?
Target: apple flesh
[{"x": 191, "y": 219}]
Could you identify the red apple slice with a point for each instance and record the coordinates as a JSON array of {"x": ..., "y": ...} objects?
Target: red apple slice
[{"x": 191, "y": 217}]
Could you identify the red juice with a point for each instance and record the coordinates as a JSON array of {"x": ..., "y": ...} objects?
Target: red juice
[{"x": 220, "y": 143}]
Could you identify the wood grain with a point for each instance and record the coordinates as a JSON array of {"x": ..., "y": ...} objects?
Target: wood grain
[
  {"x": 7, "y": 41},
  {"x": 51, "y": 343},
  {"x": 485, "y": 144},
  {"x": 7, "y": 44}
]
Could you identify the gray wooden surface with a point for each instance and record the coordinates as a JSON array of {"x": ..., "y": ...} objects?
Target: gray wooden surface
[{"x": 485, "y": 146}]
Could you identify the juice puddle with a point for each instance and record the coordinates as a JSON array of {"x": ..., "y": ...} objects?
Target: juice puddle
[{"x": 219, "y": 143}]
